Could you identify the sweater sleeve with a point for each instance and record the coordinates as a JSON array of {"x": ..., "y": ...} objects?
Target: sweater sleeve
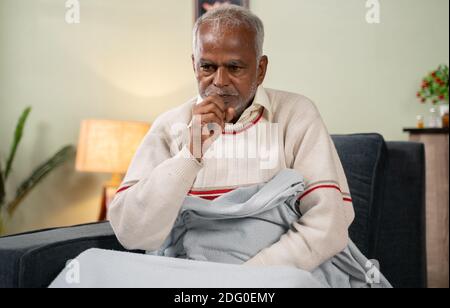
[
  {"x": 325, "y": 205},
  {"x": 148, "y": 202}
]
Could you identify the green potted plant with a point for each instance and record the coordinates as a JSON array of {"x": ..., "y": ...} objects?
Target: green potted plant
[{"x": 9, "y": 206}]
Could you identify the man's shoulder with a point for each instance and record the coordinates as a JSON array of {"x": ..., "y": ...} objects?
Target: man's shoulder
[{"x": 286, "y": 103}]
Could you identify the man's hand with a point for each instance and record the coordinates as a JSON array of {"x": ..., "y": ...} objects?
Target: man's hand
[
  {"x": 256, "y": 261},
  {"x": 211, "y": 111}
]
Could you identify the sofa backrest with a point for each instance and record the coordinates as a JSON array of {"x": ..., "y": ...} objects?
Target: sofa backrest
[
  {"x": 362, "y": 157},
  {"x": 386, "y": 182}
]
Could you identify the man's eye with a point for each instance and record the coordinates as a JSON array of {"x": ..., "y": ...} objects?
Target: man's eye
[
  {"x": 207, "y": 68},
  {"x": 235, "y": 68}
]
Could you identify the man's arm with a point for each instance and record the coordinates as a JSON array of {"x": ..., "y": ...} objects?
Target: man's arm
[
  {"x": 146, "y": 207},
  {"x": 148, "y": 202},
  {"x": 322, "y": 231}
]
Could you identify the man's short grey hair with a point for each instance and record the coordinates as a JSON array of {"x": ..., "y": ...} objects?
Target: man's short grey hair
[{"x": 232, "y": 16}]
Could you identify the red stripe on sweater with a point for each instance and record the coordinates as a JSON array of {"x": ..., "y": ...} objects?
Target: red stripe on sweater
[
  {"x": 210, "y": 198},
  {"x": 210, "y": 192},
  {"x": 324, "y": 186},
  {"x": 253, "y": 124},
  {"x": 122, "y": 189},
  {"x": 319, "y": 187}
]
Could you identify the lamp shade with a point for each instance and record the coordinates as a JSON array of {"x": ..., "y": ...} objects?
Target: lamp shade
[{"x": 108, "y": 146}]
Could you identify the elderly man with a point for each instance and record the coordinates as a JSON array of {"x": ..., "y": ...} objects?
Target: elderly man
[{"x": 236, "y": 110}]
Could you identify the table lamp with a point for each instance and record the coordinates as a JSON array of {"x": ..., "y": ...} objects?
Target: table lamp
[{"x": 107, "y": 147}]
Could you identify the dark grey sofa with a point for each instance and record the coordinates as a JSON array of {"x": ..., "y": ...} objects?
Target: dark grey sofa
[{"x": 387, "y": 182}]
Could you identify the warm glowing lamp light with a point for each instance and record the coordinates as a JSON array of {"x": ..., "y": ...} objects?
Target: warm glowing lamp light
[{"x": 107, "y": 147}]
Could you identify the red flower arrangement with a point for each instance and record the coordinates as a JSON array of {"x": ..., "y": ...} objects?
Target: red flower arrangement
[{"x": 435, "y": 86}]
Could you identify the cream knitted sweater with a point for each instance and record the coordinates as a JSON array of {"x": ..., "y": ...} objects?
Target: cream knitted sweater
[{"x": 279, "y": 130}]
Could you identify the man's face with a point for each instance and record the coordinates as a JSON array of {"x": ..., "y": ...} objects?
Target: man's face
[{"x": 225, "y": 64}]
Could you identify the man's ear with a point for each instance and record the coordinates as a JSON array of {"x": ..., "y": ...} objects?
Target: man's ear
[
  {"x": 262, "y": 69},
  {"x": 193, "y": 64}
]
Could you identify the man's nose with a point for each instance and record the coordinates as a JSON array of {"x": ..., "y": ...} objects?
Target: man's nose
[{"x": 221, "y": 78}]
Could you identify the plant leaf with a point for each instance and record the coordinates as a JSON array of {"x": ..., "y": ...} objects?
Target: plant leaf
[
  {"x": 2, "y": 187},
  {"x": 39, "y": 174},
  {"x": 17, "y": 137}
]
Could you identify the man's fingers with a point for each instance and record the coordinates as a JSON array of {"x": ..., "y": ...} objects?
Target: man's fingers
[
  {"x": 212, "y": 118},
  {"x": 211, "y": 108},
  {"x": 214, "y": 99}
]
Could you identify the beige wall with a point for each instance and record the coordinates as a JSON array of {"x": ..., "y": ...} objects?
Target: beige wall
[{"x": 130, "y": 60}]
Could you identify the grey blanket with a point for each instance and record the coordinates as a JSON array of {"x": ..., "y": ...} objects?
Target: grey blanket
[
  {"x": 210, "y": 239},
  {"x": 235, "y": 227}
]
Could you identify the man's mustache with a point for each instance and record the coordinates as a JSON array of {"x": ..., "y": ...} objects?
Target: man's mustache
[{"x": 221, "y": 92}]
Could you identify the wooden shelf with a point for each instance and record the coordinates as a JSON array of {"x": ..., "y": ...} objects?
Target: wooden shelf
[
  {"x": 426, "y": 130},
  {"x": 436, "y": 143}
]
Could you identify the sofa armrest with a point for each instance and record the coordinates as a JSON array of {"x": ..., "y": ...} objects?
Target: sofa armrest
[
  {"x": 400, "y": 240},
  {"x": 33, "y": 260}
]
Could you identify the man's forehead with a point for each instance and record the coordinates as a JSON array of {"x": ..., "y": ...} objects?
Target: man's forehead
[{"x": 222, "y": 38}]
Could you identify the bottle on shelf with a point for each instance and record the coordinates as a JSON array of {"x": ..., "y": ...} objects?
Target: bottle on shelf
[
  {"x": 420, "y": 122},
  {"x": 444, "y": 115},
  {"x": 434, "y": 119}
]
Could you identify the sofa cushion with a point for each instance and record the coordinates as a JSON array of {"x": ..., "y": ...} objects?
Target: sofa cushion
[
  {"x": 363, "y": 157},
  {"x": 35, "y": 259}
]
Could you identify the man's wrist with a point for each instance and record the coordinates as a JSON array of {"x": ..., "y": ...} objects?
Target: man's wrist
[
  {"x": 191, "y": 151},
  {"x": 186, "y": 167},
  {"x": 186, "y": 153}
]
